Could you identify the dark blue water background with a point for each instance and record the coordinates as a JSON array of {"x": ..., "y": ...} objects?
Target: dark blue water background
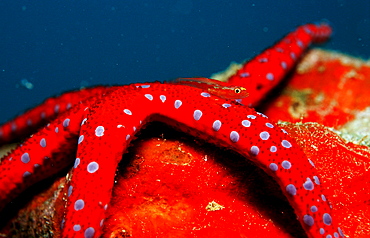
[{"x": 56, "y": 46}]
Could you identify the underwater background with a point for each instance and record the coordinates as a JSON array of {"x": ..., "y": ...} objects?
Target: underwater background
[{"x": 49, "y": 47}]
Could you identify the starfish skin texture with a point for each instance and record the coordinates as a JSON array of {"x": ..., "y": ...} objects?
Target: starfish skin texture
[{"x": 102, "y": 122}]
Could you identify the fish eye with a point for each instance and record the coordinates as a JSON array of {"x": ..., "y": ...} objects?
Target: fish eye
[{"x": 237, "y": 90}]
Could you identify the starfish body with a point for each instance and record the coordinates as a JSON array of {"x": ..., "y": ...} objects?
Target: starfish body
[{"x": 98, "y": 125}]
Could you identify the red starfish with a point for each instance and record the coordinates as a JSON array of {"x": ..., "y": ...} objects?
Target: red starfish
[{"x": 103, "y": 121}]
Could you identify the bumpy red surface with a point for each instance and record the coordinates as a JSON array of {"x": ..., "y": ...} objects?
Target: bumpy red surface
[
  {"x": 344, "y": 169},
  {"x": 177, "y": 189},
  {"x": 328, "y": 88}
]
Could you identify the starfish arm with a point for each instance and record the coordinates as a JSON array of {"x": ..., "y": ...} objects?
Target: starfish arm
[
  {"x": 40, "y": 156},
  {"x": 104, "y": 138},
  {"x": 30, "y": 121},
  {"x": 269, "y": 68}
]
